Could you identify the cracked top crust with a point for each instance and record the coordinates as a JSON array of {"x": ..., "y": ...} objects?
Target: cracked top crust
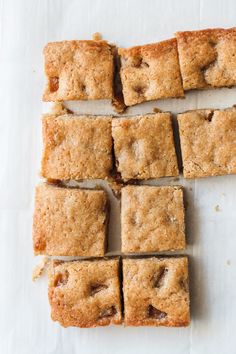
[
  {"x": 78, "y": 70},
  {"x": 76, "y": 147},
  {"x": 69, "y": 221},
  {"x": 85, "y": 293},
  {"x": 150, "y": 72},
  {"x": 208, "y": 142},
  {"x": 156, "y": 292},
  {"x": 144, "y": 146},
  {"x": 152, "y": 219},
  {"x": 207, "y": 58}
]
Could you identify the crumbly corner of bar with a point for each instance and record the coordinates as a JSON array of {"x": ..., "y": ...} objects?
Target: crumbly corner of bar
[{"x": 40, "y": 268}]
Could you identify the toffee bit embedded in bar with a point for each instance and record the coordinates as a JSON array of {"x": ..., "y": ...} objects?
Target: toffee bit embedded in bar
[
  {"x": 146, "y": 305},
  {"x": 89, "y": 295}
]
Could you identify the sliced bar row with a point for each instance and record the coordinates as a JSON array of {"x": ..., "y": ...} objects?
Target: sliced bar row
[
  {"x": 73, "y": 222},
  {"x": 81, "y": 147},
  {"x": 87, "y": 293},
  {"x": 82, "y": 70}
]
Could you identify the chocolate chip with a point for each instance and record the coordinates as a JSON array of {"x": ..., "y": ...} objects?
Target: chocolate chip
[
  {"x": 61, "y": 278},
  {"x": 83, "y": 88},
  {"x": 209, "y": 116},
  {"x": 158, "y": 278},
  {"x": 212, "y": 43},
  {"x": 138, "y": 62},
  {"x": 155, "y": 313},
  {"x": 96, "y": 288},
  {"x": 54, "y": 83},
  {"x": 140, "y": 89},
  {"x": 108, "y": 312}
]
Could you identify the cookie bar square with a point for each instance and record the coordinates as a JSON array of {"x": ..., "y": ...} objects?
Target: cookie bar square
[
  {"x": 76, "y": 147},
  {"x": 208, "y": 142},
  {"x": 207, "y": 58},
  {"x": 152, "y": 219},
  {"x": 144, "y": 146},
  {"x": 78, "y": 70},
  {"x": 150, "y": 72},
  {"x": 156, "y": 292},
  {"x": 70, "y": 221},
  {"x": 85, "y": 293}
]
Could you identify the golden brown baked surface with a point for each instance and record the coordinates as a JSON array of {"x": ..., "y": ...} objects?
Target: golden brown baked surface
[
  {"x": 144, "y": 146},
  {"x": 208, "y": 142},
  {"x": 69, "y": 221},
  {"x": 78, "y": 70},
  {"x": 156, "y": 292},
  {"x": 152, "y": 219},
  {"x": 76, "y": 147},
  {"x": 207, "y": 58},
  {"x": 150, "y": 72},
  {"x": 85, "y": 293}
]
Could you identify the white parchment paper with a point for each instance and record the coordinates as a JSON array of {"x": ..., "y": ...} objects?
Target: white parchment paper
[{"x": 25, "y": 324}]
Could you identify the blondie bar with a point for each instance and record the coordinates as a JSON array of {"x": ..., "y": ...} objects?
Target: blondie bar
[
  {"x": 207, "y": 58},
  {"x": 208, "y": 142},
  {"x": 144, "y": 146},
  {"x": 69, "y": 221},
  {"x": 152, "y": 219},
  {"x": 78, "y": 70},
  {"x": 156, "y": 292},
  {"x": 150, "y": 72},
  {"x": 85, "y": 293},
  {"x": 76, "y": 147}
]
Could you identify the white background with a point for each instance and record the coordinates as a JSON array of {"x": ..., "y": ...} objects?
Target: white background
[{"x": 25, "y": 324}]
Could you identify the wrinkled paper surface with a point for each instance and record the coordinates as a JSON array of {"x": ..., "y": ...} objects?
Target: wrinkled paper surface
[{"x": 25, "y": 324}]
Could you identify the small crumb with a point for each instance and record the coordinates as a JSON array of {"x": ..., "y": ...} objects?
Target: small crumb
[
  {"x": 157, "y": 110},
  {"x": 118, "y": 104},
  {"x": 228, "y": 262},
  {"x": 40, "y": 268},
  {"x": 223, "y": 194},
  {"x": 191, "y": 189},
  {"x": 116, "y": 188},
  {"x": 97, "y": 36},
  {"x": 59, "y": 109},
  {"x": 217, "y": 208}
]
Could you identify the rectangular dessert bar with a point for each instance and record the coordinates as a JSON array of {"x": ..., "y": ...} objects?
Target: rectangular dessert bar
[
  {"x": 76, "y": 147},
  {"x": 207, "y": 58},
  {"x": 150, "y": 72},
  {"x": 85, "y": 293},
  {"x": 208, "y": 142},
  {"x": 156, "y": 292},
  {"x": 78, "y": 70},
  {"x": 144, "y": 146},
  {"x": 152, "y": 218},
  {"x": 70, "y": 221}
]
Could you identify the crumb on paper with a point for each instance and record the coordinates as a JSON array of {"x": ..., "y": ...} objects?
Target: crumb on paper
[
  {"x": 40, "y": 268},
  {"x": 157, "y": 110},
  {"x": 118, "y": 104},
  {"x": 58, "y": 108},
  {"x": 228, "y": 262},
  {"x": 217, "y": 208},
  {"x": 191, "y": 189},
  {"x": 116, "y": 188},
  {"x": 97, "y": 36},
  {"x": 223, "y": 194}
]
